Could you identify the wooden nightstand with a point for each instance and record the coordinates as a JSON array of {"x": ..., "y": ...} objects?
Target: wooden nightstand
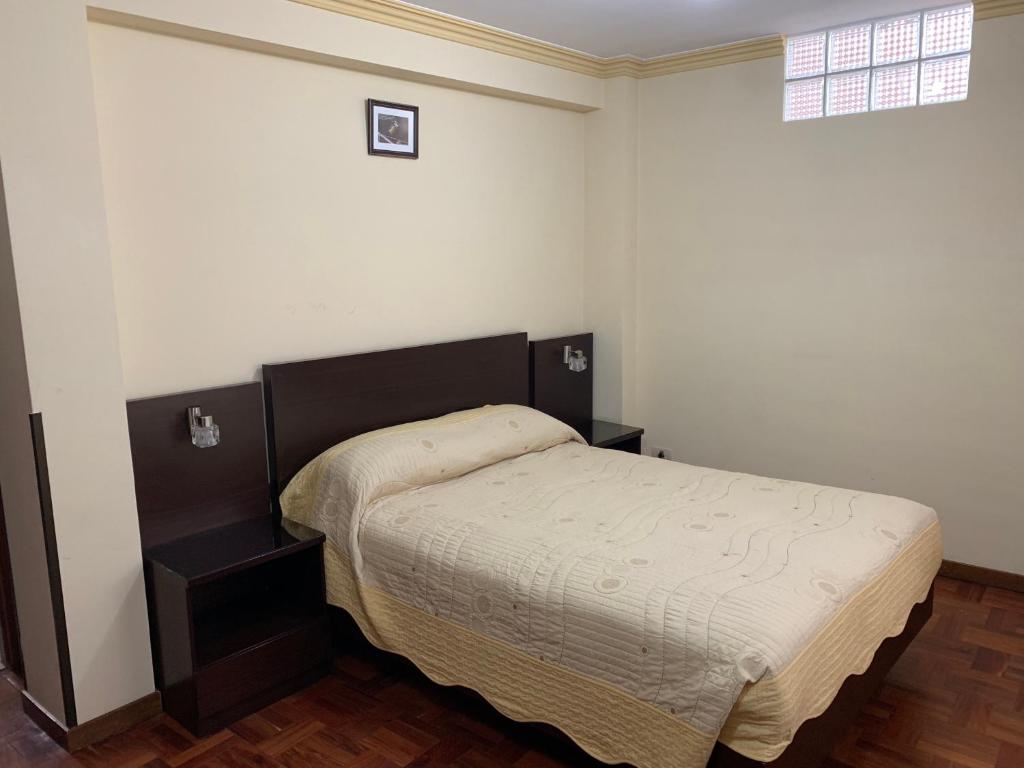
[
  {"x": 619, "y": 437},
  {"x": 238, "y": 619}
]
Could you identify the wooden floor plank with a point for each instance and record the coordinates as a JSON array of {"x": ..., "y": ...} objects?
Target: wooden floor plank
[{"x": 955, "y": 700}]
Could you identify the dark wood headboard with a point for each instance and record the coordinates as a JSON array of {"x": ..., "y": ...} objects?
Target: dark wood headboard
[
  {"x": 181, "y": 489},
  {"x": 315, "y": 404}
]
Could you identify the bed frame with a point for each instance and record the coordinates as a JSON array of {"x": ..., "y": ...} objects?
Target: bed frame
[{"x": 315, "y": 404}]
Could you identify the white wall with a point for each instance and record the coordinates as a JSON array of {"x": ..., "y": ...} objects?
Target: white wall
[
  {"x": 58, "y": 246},
  {"x": 840, "y": 301},
  {"x": 248, "y": 224}
]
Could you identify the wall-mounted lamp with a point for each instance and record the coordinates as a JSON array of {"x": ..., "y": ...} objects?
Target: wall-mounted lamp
[
  {"x": 205, "y": 434},
  {"x": 574, "y": 358}
]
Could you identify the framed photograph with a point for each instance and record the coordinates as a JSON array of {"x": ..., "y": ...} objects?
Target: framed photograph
[{"x": 392, "y": 129}]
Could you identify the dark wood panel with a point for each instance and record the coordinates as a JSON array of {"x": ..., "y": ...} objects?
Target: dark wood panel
[
  {"x": 182, "y": 490},
  {"x": 170, "y": 632},
  {"x": 315, "y": 404},
  {"x": 60, "y": 624},
  {"x": 556, "y": 390},
  {"x": 955, "y": 698}
]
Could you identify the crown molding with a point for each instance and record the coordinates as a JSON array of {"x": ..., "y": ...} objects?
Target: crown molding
[
  {"x": 747, "y": 50},
  {"x": 441, "y": 25},
  {"x": 425, "y": 21},
  {"x": 993, "y": 9}
]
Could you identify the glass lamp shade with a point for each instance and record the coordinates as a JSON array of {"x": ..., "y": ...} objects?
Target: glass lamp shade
[{"x": 205, "y": 435}]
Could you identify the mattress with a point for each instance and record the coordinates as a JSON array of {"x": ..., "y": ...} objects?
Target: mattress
[{"x": 646, "y": 608}]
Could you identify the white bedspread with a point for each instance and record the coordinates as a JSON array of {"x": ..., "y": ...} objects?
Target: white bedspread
[{"x": 678, "y": 585}]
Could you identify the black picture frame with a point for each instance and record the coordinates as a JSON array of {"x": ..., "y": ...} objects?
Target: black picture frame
[{"x": 399, "y": 127}]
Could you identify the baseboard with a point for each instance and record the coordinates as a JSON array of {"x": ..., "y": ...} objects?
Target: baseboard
[
  {"x": 95, "y": 730},
  {"x": 986, "y": 576}
]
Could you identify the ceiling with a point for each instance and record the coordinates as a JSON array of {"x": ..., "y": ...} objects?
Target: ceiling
[{"x": 648, "y": 28}]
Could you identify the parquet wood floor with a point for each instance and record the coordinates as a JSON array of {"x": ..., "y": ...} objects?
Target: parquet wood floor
[{"x": 954, "y": 700}]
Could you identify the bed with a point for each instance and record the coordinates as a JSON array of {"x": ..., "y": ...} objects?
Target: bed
[{"x": 657, "y": 613}]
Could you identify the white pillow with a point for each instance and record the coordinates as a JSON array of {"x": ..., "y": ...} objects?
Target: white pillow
[{"x": 335, "y": 487}]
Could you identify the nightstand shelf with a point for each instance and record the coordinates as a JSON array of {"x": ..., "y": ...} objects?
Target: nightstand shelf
[
  {"x": 238, "y": 617},
  {"x": 251, "y": 606}
]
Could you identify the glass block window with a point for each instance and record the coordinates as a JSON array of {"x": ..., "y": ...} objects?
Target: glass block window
[
  {"x": 803, "y": 98},
  {"x": 948, "y": 30},
  {"x": 849, "y": 48},
  {"x": 901, "y": 61},
  {"x": 945, "y": 79},
  {"x": 805, "y": 56},
  {"x": 897, "y": 40},
  {"x": 894, "y": 87},
  {"x": 848, "y": 94}
]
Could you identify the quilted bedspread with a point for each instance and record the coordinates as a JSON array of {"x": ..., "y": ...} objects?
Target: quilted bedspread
[{"x": 677, "y": 589}]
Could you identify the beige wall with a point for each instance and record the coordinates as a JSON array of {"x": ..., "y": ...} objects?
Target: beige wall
[
  {"x": 58, "y": 245},
  {"x": 248, "y": 224},
  {"x": 609, "y": 280},
  {"x": 20, "y": 492},
  {"x": 839, "y": 301},
  {"x": 304, "y": 32}
]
